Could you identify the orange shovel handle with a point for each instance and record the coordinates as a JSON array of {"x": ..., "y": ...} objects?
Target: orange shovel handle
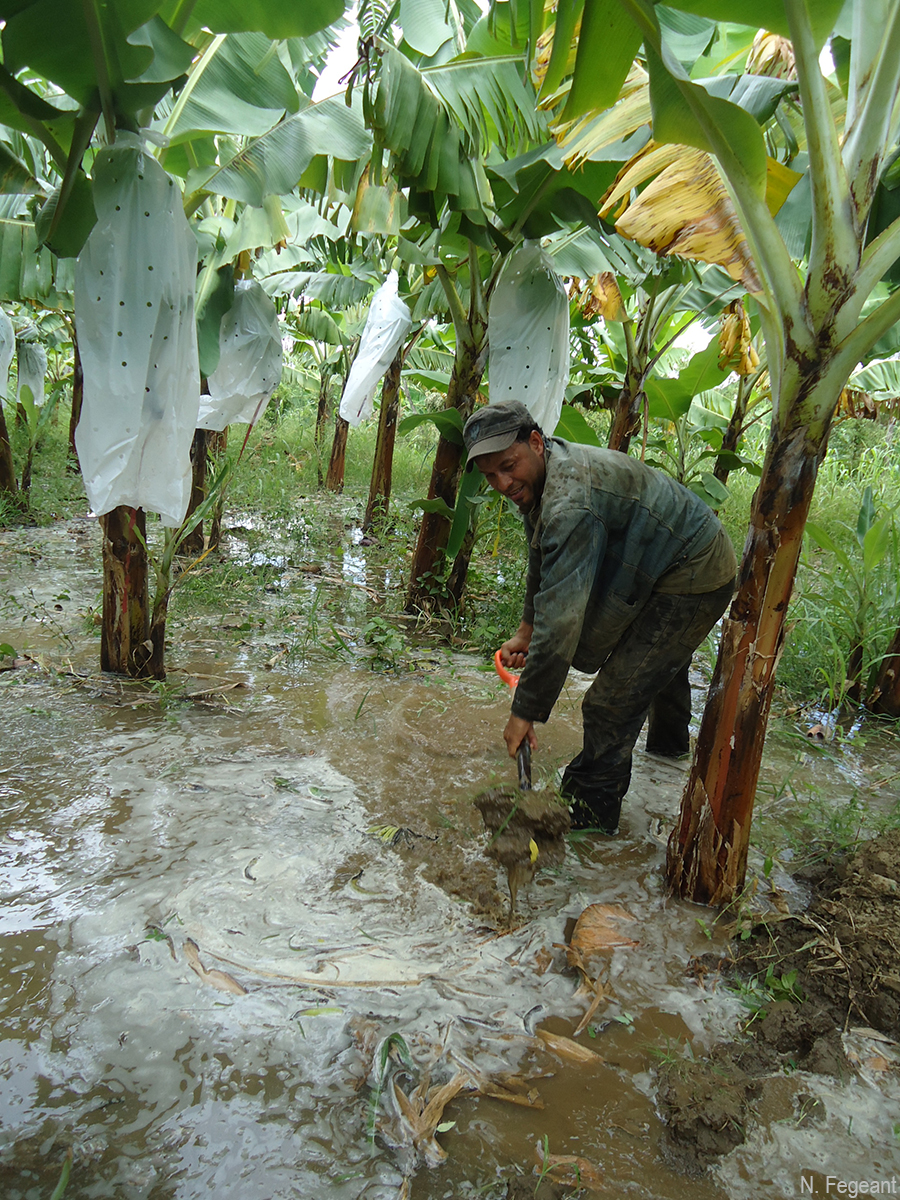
[{"x": 506, "y": 676}]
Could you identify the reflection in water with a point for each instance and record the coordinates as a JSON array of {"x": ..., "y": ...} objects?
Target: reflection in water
[{"x": 312, "y": 834}]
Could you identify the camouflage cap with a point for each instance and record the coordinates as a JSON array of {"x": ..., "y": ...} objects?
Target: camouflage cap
[{"x": 494, "y": 427}]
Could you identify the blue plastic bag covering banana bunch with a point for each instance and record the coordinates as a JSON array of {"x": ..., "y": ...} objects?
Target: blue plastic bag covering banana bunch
[
  {"x": 250, "y": 357},
  {"x": 31, "y": 366},
  {"x": 528, "y": 332},
  {"x": 7, "y": 350},
  {"x": 134, "y": 316},
  {"x": 386, "y": 327}
]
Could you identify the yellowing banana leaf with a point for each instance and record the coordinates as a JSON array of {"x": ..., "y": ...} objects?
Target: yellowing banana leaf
[
  {"x": 586, "y": 136},
  {"x": 379, "y": 208},
  {"x": 649, "y": 161},
  {"x": 687, "y": 211},
  {"x": 780, "y": 182}
]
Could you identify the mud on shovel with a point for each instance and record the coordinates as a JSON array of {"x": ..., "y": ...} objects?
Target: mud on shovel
[{"x": 527, "y": 828}]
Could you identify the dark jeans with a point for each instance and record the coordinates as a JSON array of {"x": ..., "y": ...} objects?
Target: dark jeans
[{"x": 647, "y": 672}]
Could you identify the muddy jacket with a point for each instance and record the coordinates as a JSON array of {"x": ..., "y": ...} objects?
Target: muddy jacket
[{"x": 607, "y": 527}]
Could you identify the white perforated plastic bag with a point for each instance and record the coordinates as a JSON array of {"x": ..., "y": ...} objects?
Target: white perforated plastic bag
[
  {"x": 31, "y": 367},
  {"x": 250, "y": 357},
  {"x": 386, "y": 327},
  {"x": 134, "y": 315},
  {"x": 528, "y": 332},
  {"x": 7, "y": 350}
]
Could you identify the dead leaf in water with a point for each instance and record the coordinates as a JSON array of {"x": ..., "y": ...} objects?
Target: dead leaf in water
[
  {"x": 596, "y": 932},
  {"x": 514, "y": 1089},
  {"x": 422, "y": 1112},
  {"x": 567, "y": 1048},
  {"x": 217, "y": 979},
  {"x": 878, "y": 1063},
  {"x": 569, "y": 1169}
]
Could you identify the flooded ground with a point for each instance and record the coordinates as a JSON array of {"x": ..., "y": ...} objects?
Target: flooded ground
[{"x": 251, "y": 946}]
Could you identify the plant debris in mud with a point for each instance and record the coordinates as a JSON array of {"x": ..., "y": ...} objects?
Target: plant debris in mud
[
  {"x": 845, "y": 948},
  {"x": 811, "y": 976}
]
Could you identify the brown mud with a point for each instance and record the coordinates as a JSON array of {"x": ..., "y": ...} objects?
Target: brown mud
[
  {"x": 528, "y": 832},
  {"x": 811, "y": 977}
]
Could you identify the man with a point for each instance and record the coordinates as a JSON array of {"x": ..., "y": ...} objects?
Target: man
[{"x": 627, "y": 573}]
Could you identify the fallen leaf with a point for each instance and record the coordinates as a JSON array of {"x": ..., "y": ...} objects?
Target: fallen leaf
[
  {"x": 570, "y": 1169},
  {"x": 542, "y": 960},
  {"x": 601, "y": 993},
  {"x": 595, "y": 932},
  {"x": 422, "y": 1112},
  {"x": 513, "y": 1089},
  {"x": 217, "y": 979},
  {"x": 567, "y": 1048},
  {"x": 878, "y": 1063}
]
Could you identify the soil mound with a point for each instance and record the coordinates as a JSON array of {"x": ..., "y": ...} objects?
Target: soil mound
[{"x": 812, "y": 976}]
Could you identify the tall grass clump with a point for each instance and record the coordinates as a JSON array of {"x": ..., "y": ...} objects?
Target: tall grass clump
[{"x": 846, "y": 602}]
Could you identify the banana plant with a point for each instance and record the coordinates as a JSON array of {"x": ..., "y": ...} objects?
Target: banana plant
[
  {"x": 116, "y": 62},
  {"x": 812, "y": 319}
]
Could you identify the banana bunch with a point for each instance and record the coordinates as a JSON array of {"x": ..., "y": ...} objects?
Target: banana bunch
[
  {"x": 736, "y": 349},
  {"x": 772, "y": 55}
]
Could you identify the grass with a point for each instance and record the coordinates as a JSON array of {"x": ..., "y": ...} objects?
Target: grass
[
  {"x": 814, "y": 828},
  {"x": 833, "y": 602},
  {"x": 56, "y": 492}
]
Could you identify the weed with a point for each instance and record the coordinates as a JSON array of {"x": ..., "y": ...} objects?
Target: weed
[
  {"x": 393, "y": 1045},
  {"x": 63, "y": 1183},
  {"x": 670, "y": 1054},
  {"x": 814, "y": 828},
  {"x": 761, "y": 991},
  {"x": 544, "y": 1150},
  {"x": 385, "y": 641}
]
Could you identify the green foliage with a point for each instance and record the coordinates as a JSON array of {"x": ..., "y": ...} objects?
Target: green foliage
[
  {"x": 387, "y": 643},
  {"x": 847, "y": 601},
  {"x": 392, "y": 1047},
  {"x": 762, "y": 991},
  {"x": 63, "y": 1183}
]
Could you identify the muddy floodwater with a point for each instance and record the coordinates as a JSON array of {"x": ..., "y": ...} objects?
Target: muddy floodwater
[{"x": 251, "y": 946}]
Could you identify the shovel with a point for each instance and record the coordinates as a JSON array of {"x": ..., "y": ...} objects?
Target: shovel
[{"x": 527, "y": 828}]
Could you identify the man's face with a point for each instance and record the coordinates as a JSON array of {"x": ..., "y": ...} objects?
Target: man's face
[{"x": 518, "y": 472}]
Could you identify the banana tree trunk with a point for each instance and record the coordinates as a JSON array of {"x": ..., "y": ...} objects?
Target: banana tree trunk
[
  {"x": 707, "y": 851},
  {"x": 626, "y": 419},
  {"x": 334, "y": 480},
  {"x": 77, "y": 399},
  {"x": 885, "y": 698},
  {"x": 382, "y": 467},
  {"x": 216, "y": 447},
  {"x": 7, "y": 470},
  {"x": 193, "y": 542},
  {"x": 456, "y": 580},
  {"x": 426, "y": 588},
  {"x": 124, "y": 642},
  {"x": 321, "y": 421}
]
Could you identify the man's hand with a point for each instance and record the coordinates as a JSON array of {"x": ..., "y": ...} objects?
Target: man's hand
[
  {"x": 514, "y": 652},
  {"x": 516, "y": 731}
]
